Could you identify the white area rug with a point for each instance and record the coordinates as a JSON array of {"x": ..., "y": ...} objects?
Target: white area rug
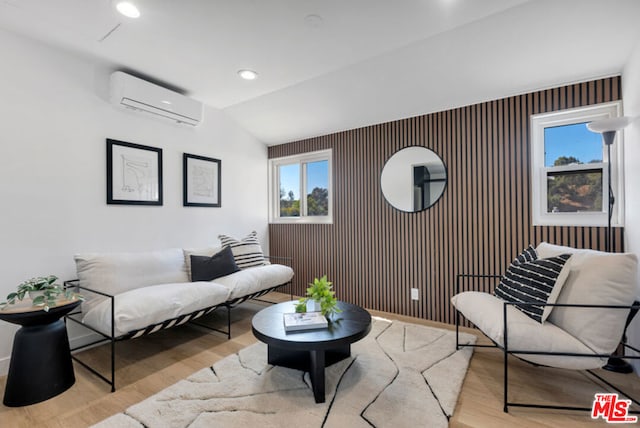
[{"x": 400, "y": 375}]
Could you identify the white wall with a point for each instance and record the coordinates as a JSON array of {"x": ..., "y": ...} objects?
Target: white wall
[
  {"x": 53, "y": 126},
  {"x": 631, "y": 103}
]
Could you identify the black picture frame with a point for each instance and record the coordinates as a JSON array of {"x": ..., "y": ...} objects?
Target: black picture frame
[
  {"x": 202, "y": 181},
  {"x": 134, "y": 174}
]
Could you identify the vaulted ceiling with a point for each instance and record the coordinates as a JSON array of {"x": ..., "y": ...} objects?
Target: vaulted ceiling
[{"x": 331, "y": 65}]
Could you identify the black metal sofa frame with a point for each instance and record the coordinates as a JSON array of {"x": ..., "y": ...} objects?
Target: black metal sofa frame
[
  {"x": 507, "y": 351},
  {"x": 74, "y": 284}
]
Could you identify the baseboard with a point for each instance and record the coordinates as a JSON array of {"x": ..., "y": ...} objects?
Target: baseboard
[{"x": 85, "y": 339}]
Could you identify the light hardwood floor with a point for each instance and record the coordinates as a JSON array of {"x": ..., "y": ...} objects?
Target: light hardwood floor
[{"x": 150, "y": 364}]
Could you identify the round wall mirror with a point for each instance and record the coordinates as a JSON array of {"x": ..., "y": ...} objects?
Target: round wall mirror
[{"x": 413, "y": 179}]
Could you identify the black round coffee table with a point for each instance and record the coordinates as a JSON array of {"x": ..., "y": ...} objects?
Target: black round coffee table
[{"x": 310, "y": 350}]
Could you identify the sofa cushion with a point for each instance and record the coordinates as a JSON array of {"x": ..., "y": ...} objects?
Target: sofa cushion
[
  {"x": 204, "y": 251},
  {"x": 533, "y": 280},
  {"x": 595, "y": 278},
  {"x": 143, "y": 307},
  {"x": 246, "y": 251},
  {"x": 252, "y": 280},
  {"x": 486, "y": 312},
  {"x": 116, "y": 273},
  {"x": 205, "y": 268}
]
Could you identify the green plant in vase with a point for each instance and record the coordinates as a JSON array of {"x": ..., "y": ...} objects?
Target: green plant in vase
[
  {"x": 42, "y": 290},
  {"x": 320, "y": 291}
]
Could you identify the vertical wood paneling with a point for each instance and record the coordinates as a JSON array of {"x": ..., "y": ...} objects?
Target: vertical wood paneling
[{"x": 375, "y": 254}]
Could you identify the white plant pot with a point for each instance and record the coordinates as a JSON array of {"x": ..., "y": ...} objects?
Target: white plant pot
[
  {"x": 34, "y": 294},
  {"x": 313, "y": 306}
]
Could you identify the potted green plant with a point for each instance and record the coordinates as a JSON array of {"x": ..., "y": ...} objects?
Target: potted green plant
[
  {"x": 42, "y": 290},
  {"x": 321, "y": 296}
]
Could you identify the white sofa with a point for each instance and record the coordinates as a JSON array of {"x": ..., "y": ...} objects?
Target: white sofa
[
  {"x": 132, "y": 294},
  {"x": 603, "y": 285},
  {"x": 150, "y": 288}
]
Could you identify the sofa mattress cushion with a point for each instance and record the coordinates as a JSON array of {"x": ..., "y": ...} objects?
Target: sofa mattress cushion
[
  {"x": 143, "y": 307},
  {"x": 116, "y": 273},
  {"x": 255, "y": 279},
  {"x": 595, "y": 278},
  {"x": 485, "y": 311}
]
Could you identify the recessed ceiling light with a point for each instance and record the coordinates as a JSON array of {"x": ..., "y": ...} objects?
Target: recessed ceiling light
[
  {"x": 247, "y": 74},
  {"x": 128, "y": 9},
  {"x": 313, "y": 21}
]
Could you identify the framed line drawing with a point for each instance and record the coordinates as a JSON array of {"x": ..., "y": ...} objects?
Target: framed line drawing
[
  {"x": 134, "y": 174},
  {"x": 201, "y": 181}
]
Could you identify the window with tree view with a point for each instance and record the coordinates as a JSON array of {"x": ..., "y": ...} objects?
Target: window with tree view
[
  {"x": 573, "y": 156},
  {"x": 302, "y": 186},
  {"x": 569, "y": 180},
  {"x": 289, "y": 190}
]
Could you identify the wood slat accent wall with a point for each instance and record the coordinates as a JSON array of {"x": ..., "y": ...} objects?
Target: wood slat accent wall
[{"x": 375, "y": 254}]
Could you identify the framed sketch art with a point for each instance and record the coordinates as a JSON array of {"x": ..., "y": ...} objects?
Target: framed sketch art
[
  {"x": 134, "y": 174},
  {"x": 201, "y": 181}
]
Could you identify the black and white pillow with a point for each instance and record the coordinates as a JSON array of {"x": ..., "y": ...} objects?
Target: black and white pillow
[
  {"x": 528, "y": 255},
  {"x": 247, "y": 252},
  {"x": 532, "y": 280},
  {"x": 207, "y": 268}
]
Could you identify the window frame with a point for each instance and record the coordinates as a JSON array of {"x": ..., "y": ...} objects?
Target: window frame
[
  {"x": 274, "y": 187},
  {"x": 539, "y": 190}
]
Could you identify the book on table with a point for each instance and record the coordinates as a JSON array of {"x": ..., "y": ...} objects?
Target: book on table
[{"x": 304, "y": 321}]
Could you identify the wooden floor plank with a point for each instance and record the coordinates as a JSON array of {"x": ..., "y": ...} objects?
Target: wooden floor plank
[{"x": 149, "y": 364}]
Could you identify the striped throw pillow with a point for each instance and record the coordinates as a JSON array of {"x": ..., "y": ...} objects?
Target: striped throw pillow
[
  {"x": 534, "y": 281},
  {"x": 246, "y": 252},
  {"x": 528, "y": 255}
]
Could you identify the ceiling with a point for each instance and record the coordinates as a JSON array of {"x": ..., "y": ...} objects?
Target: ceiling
[{"x": 331, "y": 65}]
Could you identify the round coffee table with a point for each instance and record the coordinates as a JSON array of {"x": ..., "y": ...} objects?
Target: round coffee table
[{"x": 310, "y": 350}]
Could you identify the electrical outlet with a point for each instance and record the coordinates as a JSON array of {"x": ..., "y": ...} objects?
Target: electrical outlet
[{"x": 415, "y": 294}]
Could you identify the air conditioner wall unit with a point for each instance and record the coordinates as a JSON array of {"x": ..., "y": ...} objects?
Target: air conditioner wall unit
[{"x": 132, "y": 92}]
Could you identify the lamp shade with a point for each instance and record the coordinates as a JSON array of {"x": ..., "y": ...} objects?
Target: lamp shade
[{"x": 609, "y": 124}]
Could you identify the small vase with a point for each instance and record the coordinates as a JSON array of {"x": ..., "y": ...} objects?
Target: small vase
[
  {"x": 313, "y": 306},
  {"x": 34, "y": 294}
]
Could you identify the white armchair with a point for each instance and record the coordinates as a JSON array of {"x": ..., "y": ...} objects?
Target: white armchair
[{"x": 586, "y": 322}]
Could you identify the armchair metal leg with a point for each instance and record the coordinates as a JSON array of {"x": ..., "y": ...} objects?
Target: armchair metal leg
[
  {"x": 506, "y": 356},
  {"x": 113, "y": 365},
  {"x": 505, "y": 407},
  {"x": 457, "y": 330}
]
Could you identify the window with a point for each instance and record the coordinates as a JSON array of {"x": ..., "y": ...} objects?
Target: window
[
  {"x": 301, "y": 189},
  {"x": 569, "y": 168}
]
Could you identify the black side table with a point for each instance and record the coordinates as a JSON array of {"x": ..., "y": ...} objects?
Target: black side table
[{"x": 40, "y": 366}]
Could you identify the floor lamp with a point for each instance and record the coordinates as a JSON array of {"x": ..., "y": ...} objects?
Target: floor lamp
[{"x": 608, "y": 128}]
